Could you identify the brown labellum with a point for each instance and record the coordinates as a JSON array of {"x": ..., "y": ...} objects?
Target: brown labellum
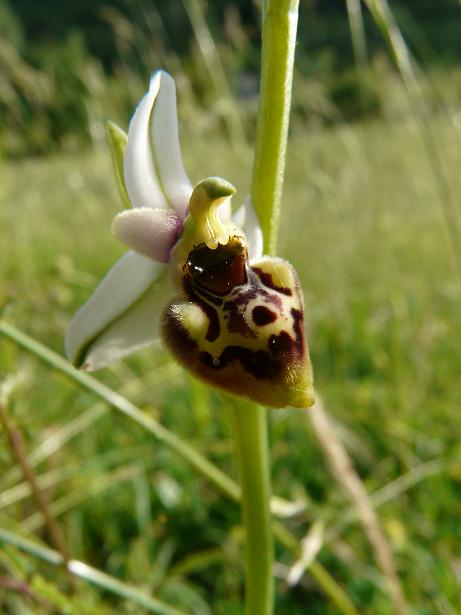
[{"x": 240, "y": 327}]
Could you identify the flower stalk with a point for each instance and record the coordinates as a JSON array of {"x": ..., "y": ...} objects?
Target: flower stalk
[
  {"x": 249, "y": 422},
  {"x": 279, "y": 23},
  {"x": 252, "y": 451}
]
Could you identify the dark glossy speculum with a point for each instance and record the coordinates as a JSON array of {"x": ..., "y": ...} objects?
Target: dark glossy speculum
[{"x": 220, "y": 270}]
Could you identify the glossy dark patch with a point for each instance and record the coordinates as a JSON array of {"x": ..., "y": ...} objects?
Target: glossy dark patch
[
  {"x": 266, "y": 279},
  {"x": 262, "y": 315},
  {"x": 218, "y": 271}
]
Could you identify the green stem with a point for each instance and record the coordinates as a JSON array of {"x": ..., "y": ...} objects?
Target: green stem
[
  {"x": 279, "y": 23},
  {"x": 250, "y": 434},
  {"x": 82, "y": 570}
]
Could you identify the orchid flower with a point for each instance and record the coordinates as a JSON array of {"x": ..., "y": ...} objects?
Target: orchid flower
[{"x": 194, "y": 276}]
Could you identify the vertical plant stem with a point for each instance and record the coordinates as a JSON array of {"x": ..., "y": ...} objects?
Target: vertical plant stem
[
  {"x": 250, "y": 435},
  {"x": 279, "y": 23}
]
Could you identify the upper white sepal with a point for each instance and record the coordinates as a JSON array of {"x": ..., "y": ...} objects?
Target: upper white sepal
[{"x": 153, "y": 169}]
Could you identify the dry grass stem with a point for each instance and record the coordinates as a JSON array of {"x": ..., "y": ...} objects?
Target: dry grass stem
[
  {"x": 347, "y": 477},
  {"x": 16, "y": 443}
]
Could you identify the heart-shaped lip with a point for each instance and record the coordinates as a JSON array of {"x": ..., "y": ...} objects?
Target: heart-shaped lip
[{"x": 246, "y": 338}]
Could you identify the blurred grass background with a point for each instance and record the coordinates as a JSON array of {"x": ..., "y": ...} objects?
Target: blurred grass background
[{"x": 365, "y": 224}]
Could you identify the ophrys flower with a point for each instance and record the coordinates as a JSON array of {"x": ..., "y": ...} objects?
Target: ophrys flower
[{"x": 194, "y": 276}]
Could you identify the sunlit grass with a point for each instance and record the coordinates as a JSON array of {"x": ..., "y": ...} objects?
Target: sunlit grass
[{"x": 362, "y": 225}]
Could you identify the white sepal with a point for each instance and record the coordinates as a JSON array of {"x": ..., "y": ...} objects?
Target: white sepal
[
  {"x": 247, "y": 219},
  {"x": 135, "y": 329},
  {"x": 153, "y": 168},
  {"x": 126, "y": 283},
  {"x": 167, "y": 152}
]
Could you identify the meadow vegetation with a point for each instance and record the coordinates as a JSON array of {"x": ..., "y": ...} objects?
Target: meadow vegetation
[{"x": 364, "y": 221}]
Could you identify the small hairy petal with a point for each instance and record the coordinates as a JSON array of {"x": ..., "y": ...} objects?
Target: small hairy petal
[
  {"x": 123, "y": 286},
  {"x": 151, "y": 232}
]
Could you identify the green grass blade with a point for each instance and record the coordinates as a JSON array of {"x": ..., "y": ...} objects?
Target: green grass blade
[
  {"x": 120, "y": 403},
  {"x": 88, "y": 573},
  {"x": 226, "y": 484},
  {"x": 359, "y": 44},
  {"x": 200, "y": 463},
  {"x": 385, "y": 20},
  {"x": 217, "y": 74}
]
